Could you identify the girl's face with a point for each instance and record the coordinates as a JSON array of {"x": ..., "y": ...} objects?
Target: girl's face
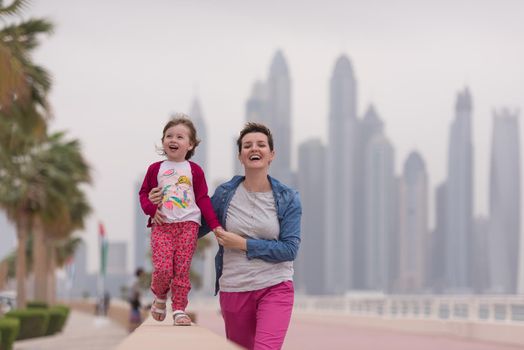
[
  {"x": 255, "y": 152},
  {"x": 177, "y": 142}
]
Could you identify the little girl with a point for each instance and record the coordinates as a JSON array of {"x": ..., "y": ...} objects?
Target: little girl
[{"x": 175, "y": 221}]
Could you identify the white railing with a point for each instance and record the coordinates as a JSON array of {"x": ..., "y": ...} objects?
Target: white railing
[{"x": 509, "y": 309}]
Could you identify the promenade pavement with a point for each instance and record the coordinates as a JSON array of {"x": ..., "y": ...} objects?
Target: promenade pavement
[
  {"x": 309, "y": 331},
  {"x": 82, "y": 332}
]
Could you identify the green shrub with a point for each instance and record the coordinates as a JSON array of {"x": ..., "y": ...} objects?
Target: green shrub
[
  {"x": 33, "y": 322},
  {"x": 37, "y": 304},
  {"x": 57, "y": 317},
  {"x": 63, "y": 320},
  {"x": 9, "y": 328}
]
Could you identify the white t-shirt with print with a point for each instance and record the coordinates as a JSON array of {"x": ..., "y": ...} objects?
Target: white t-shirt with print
[{"x": 178, "y": 196}]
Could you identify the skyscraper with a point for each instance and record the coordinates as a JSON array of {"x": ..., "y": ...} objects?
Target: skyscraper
[
  {"x": 504, "y": 202},
  {"x": 414, "y": 224},
  {"x": 256, "y": 111},
  {"x": 117, "y": 258},
  {"x": 256, "y": 105},
  {"x": 196, "y": 116},
  {"x": 480, "y": 274},
  {"x": 437, "y": 244},
  {"x": 270, "y": 104},
  {"x": 340, "y": 178},
  {"x": 459, "y": 197},
  {"x": 370, "y": 126},
  {"x": 380, "y": 192},
  {"x": 309, "y": 266},
  {"x": 279, "y": 117},
  {"x": 203, "y": 261}
]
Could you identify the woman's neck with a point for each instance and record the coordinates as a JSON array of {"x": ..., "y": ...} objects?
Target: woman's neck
[{"x": 257, "y": 181}]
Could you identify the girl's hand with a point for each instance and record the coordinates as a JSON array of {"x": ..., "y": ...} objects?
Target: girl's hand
[
  {"x": 155, "y": 195},
  {"x": 230, "y": 239},
  {"x": 159, "y": 218}
]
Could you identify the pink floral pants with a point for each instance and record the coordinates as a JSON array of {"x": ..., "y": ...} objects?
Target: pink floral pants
[{"x": 172, "y": 248}]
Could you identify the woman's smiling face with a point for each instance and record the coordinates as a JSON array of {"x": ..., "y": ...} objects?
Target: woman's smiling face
[{"x": 255, "y": 152}]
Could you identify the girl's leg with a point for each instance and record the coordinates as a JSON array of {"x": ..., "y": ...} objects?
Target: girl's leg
[
  {"x": 239, "y": 310},
  {"x": 275, "y": 304},
  {"x": 185, "y": 245},
  {"x": 162, "y": 259}
]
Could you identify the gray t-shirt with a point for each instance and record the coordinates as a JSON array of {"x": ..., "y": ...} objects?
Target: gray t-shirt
[{"x": 252, "y": 215}]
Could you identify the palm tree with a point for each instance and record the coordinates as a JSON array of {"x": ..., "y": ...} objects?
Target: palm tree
[
  {"x": 63, "y": 170},
  {"x": 41, "y": 194},
  {"x": 24, "y": 81},
  {"x": 24, "y": 86},
  {"x": 58, "y": 245},
  {"x": 13, "y": 80},
  {"x": 23, "y": 115}
]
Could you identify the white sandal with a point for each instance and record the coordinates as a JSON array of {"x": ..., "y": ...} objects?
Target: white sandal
[
  {"x": 161, "y": 313},
  {"x": 179, "y": 316}
]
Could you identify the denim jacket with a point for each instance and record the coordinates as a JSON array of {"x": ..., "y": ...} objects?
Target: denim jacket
[{"x": 289, "y": 212}]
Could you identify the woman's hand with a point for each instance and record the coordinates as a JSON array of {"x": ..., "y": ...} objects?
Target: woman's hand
[
  {"x": 155, "y": 195},
  {"x": 230, "y": 239},
  {"x": 159, "y": 217}
]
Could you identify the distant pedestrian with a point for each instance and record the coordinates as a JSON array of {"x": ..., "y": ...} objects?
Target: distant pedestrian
[
  {"x": 135, "y": 293},
  {"x": 106, "y": 301},
  {"x": 182, "y": 191}
]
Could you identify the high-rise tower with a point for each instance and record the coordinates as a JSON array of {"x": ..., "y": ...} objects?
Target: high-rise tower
[
  {"x": 504, "y": 202},
  {"x": 414, "y": 225},
  {"x": 200, "y": 156},
  {"x": 340, "y": 178},
  {"x": 459, "y": 196},
  {"x": 380, "y": 203},
  {"x": 279, "y": 117},
  {"x": 311, "y": 181},
  {"x": 368, "y": 127}
]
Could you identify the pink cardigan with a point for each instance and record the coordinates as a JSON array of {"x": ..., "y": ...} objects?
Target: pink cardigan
[{"x": 199, "y": 186}]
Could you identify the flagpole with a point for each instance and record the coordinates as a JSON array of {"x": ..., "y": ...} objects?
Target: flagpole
[{"x": 102, "y": 272}]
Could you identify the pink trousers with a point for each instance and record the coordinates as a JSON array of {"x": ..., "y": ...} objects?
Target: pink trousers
[
  {"x": 258, "y": 319},
  {"x": 172, "y": 248}
]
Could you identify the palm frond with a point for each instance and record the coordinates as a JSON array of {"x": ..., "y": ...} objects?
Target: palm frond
[
  {"x": 22, "y": 38},
  {"x": 13, "y": 84},
  {"x": 16, "y": 7}
]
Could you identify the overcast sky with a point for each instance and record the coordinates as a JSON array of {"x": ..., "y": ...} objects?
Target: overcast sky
[{"x": 120, "y": 68}]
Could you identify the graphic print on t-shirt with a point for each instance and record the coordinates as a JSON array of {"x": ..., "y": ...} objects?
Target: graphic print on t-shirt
[{"x": 176, "y": 190}]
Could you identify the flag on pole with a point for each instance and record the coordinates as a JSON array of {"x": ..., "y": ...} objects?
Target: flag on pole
[{"x": 103, "y": 248}]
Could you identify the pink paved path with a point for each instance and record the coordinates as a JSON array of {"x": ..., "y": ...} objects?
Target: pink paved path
[{"x": 307, "y": 332}]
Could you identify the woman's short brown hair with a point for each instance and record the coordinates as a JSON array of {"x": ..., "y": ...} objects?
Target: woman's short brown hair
[
  {"x": 181, "y": 118},
  {"x": 255, "y": 127}
]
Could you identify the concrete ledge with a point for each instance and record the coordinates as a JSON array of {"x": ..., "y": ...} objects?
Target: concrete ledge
[
  {"x": 157, "y": 335},
  {"x": 163, "y": 335}
]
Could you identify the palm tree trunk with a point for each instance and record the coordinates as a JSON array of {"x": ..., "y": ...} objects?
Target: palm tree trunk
[
  {"x": 3, "y": 274},
  {"x": 21, "y": 231},
  {"x": 39, "y": 260},
  {"x": 51, "y": 269}
]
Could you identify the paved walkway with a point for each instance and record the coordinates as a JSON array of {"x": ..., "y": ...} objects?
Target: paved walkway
[
  {"x": 334, "y": 333},
  {"x": 82, "y": 332},
  {"x": 86, "y": 332}
]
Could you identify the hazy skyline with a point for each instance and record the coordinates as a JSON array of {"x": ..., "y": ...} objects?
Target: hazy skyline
[{"x": 120, "y": 68}]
